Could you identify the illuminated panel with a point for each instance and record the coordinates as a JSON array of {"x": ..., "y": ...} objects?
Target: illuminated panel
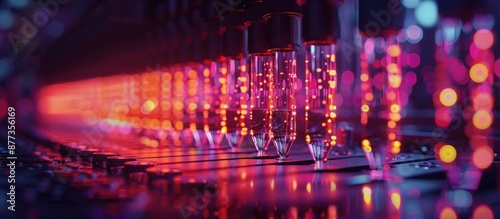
[
  {"x": 393, "y": 94},
  {"x": 210, "y": 103},
  {"x": 178, "y": 104},
  {"x": 224, "y": 102},
  {"x": 192, "y": 88},
  {"x": 150, "y": 94},
  {"x": 321, "y": 108},
  {"x": 166, "y": 103}
]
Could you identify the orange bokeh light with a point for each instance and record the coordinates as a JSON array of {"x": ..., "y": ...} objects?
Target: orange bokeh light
[
  {"x": 482, "y": 157},
  {"x": 478, "y": 72},
  {"x": 369, "y": 97},
  {"x": 364, "y": 77},
  {"x": 448, "y": 213},
  {"x": 395, "y": 108},
  {"x": 482, "y": 119},
  {"x": 394, "y": 50},
  {"x": 448, "y": 97},
  {"x": 483, "y": 39},
  {"x": 391, "y": 124},
  {"x": 482, "y": 212}
]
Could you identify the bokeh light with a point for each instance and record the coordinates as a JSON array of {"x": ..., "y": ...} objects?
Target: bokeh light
[
  {"x": 497, "y": 68},
  {"x": 482, "y": 157},
  {"x": 394, "y": 50},
  {"x": 447, "y": 153},
  {"x": 347, "y": 77},
  {"x": 367, "y": 195},
  {"x": 461, "y": 198},
  {"x": 410, "y": 3},
  {"x": 482, "y": 212},
  {"x": 6, "y": 19},
  {"x": 410, "y": 78},
  {"x": 427, "y": 13},
  {"x": 484, "y": 39},
  {"x": 478, "y": 73},
  {"x": 396, "y": 200},
  {"x": 482, "y": 119},
  {"x": 414, "y": 34},
  {"x": 448, "y": 97},
  {"x": 447, "y": 213}
]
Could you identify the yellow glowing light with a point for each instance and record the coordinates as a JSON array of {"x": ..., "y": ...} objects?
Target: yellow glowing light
[
  {"x": 332, "y": 58},
  {"x": 395, "y": 150},
  {"x": 482, "y": 119},
  {"x": 294, "y": 185},
  {"x": 367, "y": 195},
  {"x": 308, "y": 187},
  {"x": 478, "y": 73},
  {"x": 395, "y": 81},
  {"x": 365, "y": 142},
  {"x": 364, "y": 77},
  {"x": 395, "y": 116},
  {"x": 365, "y": 108},
  {"x": 206, "y": 72},
  {"x": 243, "y": 175},
  {"x": 367, "y": 148},
  {"x": 396, "y": 200},
  {"x": 223, "y": 70},
  {"x": 448, "y": 213},
  {"x": 395, "y": 108},
  {"x": 272, "y": 184},
  {"x": 447, "y": 153},
  {"x": 448, "y": 97},
  {"x": 482, "y": 157},
  {"x": 394, "y": 50},
  {"x": 393, "y": 69},
  {"x": 333, "y": 186},
  {"x": 396, "y": 143},
  {"x": 483, "y": 212},
  {"x": 149, "y": 106}
]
